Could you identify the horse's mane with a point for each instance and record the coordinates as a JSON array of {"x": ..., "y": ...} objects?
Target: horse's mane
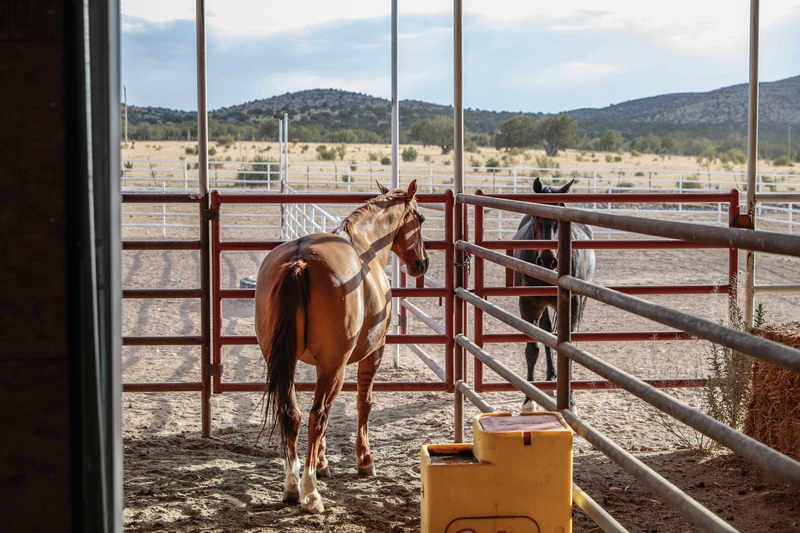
[{"x": 367, "y": 210}]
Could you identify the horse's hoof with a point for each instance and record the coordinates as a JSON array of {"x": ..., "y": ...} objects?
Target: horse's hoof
[
  {"x": 573, "y": 409},
  {"x": 527, "y": 407},
  {"x": 324, "y": 471},
  {"x": 367, "y": 470},
  {"x": 291, "y": 495},
  {"x": 313, "y": 503}
]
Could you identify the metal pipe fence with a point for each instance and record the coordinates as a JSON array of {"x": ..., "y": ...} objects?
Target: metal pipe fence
[{"x": 775, "y": 353}]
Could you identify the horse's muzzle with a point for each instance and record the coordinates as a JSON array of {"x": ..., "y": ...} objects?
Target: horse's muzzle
[
  {"x": 547, "y": 260},
  {"x": 418, "y": 268}
]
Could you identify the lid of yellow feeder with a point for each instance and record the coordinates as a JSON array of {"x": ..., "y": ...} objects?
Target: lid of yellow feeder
[{"x": 523, "y": 423}]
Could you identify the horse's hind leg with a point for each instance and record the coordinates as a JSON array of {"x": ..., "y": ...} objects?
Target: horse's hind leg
[
  {"x": 366, "y": 374},
  {"x": 290, "y": 426},
  {"x": 329, "y": 383}
]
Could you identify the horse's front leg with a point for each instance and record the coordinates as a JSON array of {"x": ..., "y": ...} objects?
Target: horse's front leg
[
  {"x": 550, "y": 371},
  {"x": 329, "y": 384},
  {"x": 367, "y": 368},
  {"x": 530, "y": 311}
]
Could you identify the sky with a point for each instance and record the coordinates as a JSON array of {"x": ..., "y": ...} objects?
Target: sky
[{"x": 518, "y": 55}]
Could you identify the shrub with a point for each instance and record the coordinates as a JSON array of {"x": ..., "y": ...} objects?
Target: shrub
[
  {"x": 635, "y": 153},
  {"x": 617, "y": 158},
  {"x": 692, "y": 181},
  {"x": 640, "y": 174},
  {"x": 129, "y": 164},
  {"x": 212, "y": 151},
  {"x": 190, "y": 150},
  {"x": 728, "y": 390},
  {"x": 226, "y": 141},
  {"x": 783, "y": 161},
  {"x": 262, "y": 169},
  {"x": 609, "y": 158},
  {"x": 475, "y": 163},
  {"x": 491, "y": 164},
  {"x": 386, "y": 160},
  {"x": 347, "y": 178},
  {"x": 625, "y": 184},
  {"x": 410, "y": 154},
  {"x": 326, "y": 154}
]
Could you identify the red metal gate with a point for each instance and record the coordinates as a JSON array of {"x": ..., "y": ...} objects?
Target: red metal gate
[{"x": 443, "y": 334}]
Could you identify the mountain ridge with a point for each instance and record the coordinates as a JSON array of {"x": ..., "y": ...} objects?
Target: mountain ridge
[{"x": 714, "y": 114}]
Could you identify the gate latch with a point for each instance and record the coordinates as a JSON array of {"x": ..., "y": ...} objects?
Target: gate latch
[{"x": 214, "y": 370}]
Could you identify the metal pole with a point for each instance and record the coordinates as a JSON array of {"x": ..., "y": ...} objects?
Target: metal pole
[
  {"x": 752, "y": 160},
  {"x": 563, "y": 311},
  {"x": 395, "y": 174},
  {"x": 125, "y": 92},
  {"x": 458, "y": 186},
  {"x": 205, "y": 260}
]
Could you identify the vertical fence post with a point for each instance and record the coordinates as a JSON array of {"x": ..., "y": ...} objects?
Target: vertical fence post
[
  {"x": 164, "y": 212},
  {"x": 564, "y": 313},
  {"x": 477, "y": 313},
  {"x": 460, "y": 209}
]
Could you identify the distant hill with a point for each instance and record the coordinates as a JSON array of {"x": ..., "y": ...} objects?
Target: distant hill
[
  {"x": 336, "y": 109},
  {"x": 779, "y": 102},
  {"x": 714, "y": 114}
]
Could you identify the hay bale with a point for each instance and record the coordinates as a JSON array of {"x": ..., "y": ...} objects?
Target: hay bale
[{"x": 773, "y": 416}]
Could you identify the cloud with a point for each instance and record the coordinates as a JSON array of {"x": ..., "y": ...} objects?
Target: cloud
[{"x": 571, "y": 61}]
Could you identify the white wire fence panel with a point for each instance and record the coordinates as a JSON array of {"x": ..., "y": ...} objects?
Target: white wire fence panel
[{"x": 264, "y": 176}]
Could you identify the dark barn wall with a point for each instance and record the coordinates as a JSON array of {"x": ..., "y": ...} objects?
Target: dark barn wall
[{"x": 35, "y": 447}]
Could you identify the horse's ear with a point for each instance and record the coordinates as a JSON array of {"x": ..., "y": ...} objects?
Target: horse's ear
[
  {"x": 383, "y": 189},
  {"x": 537, "y": 185},
  {"x": 412, "y": 189},
  {"x": 566, "y": 187}
]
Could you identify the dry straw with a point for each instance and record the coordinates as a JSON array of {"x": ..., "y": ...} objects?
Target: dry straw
[{"x": 773, "y": 415}]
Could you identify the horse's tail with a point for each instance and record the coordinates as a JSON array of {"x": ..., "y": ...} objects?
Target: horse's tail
[{"x": 289, "y": 294}]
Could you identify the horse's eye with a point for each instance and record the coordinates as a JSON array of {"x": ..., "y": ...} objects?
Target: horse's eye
[{"x": 421, "y": 218}]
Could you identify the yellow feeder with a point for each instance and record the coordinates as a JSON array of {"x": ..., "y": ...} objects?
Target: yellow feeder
[{"x": 516, "y": 478}]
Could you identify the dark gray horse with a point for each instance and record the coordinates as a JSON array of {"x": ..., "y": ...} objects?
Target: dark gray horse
[{"x": 534, "y": 308}]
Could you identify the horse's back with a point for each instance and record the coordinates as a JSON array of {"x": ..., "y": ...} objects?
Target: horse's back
[{"x": 334, "y": 310}]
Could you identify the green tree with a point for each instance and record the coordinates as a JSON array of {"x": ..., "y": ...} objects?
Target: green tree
[
  {"x": 557, "y": 133},
  {"x": 610, "y": 141},
  {"x": 437, "y": 131},
  {"x": 268, "y": 130},
  {"x": 518, "y": 132}
]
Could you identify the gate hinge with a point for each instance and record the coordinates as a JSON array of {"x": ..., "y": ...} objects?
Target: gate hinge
[
  {"x": 742, "y": 221},
  {"x": 465, "y": 263},
  {"x": 214, "y": 370},
  {"x": 212, "y": 213}
]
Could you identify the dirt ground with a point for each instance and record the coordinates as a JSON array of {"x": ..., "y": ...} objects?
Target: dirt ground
[{"x": 178, "y": 482}]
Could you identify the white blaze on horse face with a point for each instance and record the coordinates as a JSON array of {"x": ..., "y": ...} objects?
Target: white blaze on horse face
[{"x": 310, "y": 500}]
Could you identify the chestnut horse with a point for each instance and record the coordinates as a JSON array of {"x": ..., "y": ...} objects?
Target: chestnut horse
[
  {"x": 324, "y": 299},
  {"x": 534, "y": 308}
]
